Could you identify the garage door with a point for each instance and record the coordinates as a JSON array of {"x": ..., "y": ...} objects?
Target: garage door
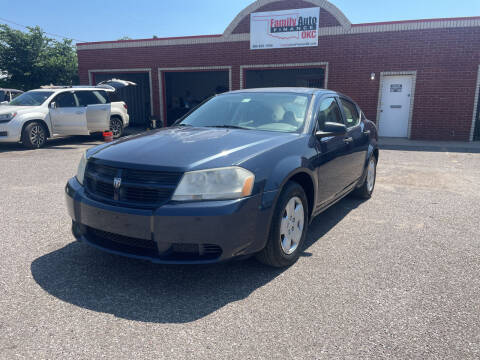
[
  {"x": 185, "y": 90},
  {"x": 137, "y": 97},
  {"x": 298, "y": 77}
]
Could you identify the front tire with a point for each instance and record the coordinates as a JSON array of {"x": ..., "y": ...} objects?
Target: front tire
[
  {"x": 116, "y": 127},
  {"x": 366, "y": 190},
  {"x": 34, "y": 135},
  {"x": 289, "y": 228}
]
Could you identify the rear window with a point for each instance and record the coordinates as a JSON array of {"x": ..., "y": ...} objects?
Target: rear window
[
  {"x": 91, "y": 97},
  {"x": 114, "y": 96}
]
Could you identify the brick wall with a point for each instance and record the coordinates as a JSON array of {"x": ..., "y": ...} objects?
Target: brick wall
[{"x": 446, "y": 61}]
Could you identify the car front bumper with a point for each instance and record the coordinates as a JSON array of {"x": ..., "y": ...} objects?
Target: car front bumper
[
  {"x": 175, "y": 233},
  {"x": 10, "y": 131}
]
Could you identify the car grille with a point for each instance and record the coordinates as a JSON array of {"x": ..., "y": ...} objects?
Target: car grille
[
  {"x": 144, "y": 247},
  {"x": 139, "y": 188}
]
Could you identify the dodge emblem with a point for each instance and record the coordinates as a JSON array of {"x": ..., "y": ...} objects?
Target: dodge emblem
[{"x": 117, "y": 182}]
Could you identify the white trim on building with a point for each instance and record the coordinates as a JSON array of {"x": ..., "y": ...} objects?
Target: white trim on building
[{"x": 475, "y": 105}]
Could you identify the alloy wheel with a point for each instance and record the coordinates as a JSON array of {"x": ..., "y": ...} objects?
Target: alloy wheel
[
  {"x": 291, "y": 225},
  {"x": 116, "y": 127},
  {"x": 371, "y": 175},
  {"x": 37, "y": 135}
]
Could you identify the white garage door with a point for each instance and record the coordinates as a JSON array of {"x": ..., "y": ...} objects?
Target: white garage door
[{"x": 395, "y": 105}]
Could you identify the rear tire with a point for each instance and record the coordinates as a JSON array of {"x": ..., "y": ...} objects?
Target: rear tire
[
  {"x": 289, "y": 228},
  {"x": 116, "y": 127},
  {"x": 366, "y": 190},
  {"x": 34, "y": 135}
]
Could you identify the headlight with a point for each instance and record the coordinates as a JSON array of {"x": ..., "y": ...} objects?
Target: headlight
[
  {"x": 81, "y": 168},
  {"x": 7, "y": 117},
  {"x": 215, "y": 184}
]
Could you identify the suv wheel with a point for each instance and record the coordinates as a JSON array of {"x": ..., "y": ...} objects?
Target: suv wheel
[
  {"x": 289, "y": 228},
  {"x": 34, "y": 135},
  {"x": 116, "y": 127}
]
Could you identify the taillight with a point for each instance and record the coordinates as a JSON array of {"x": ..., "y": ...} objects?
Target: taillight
[{"x": 125, "y": 106}]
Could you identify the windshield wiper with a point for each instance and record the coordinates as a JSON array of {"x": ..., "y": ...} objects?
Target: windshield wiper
[{"x": 229, "y": 127}]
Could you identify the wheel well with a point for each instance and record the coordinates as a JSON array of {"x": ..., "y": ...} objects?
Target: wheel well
[
  {"x": 305, "y": 181},
  {"x": 116, "y": 117},
  {"x": 39, "y": 121}
]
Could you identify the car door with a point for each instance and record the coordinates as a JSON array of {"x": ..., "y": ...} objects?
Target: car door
[
  {"x": 357, "y": 140},
  {"x": 97, "y": 109},
  {"x": 330, "y": 163},
  {"x": 66, "y": 116}
]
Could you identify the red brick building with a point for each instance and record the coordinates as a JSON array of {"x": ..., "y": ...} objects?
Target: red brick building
[{"x": 435, "y": 63}]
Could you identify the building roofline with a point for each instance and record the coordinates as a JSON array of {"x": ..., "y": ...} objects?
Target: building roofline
[
  {"x": 402, "y": 25},
  {"x": 150, "y": 39},
  {"x": 220, "y": 35},
  {"x": 418, "y": 21}
]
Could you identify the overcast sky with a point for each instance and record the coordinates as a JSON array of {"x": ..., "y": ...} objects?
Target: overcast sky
[{"x": 112, "y": 19}]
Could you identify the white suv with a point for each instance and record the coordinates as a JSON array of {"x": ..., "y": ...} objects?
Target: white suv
[{"x": 36, "y": 115}]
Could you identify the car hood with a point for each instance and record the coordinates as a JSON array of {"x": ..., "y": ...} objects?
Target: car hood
[
  {"x": 190, "y": 148},
  {"x": 5, "y": 109}
]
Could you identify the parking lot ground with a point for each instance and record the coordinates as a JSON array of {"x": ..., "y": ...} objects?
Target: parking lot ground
[{"x": 397, "y": 276}]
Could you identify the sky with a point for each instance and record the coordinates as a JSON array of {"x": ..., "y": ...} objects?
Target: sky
[{"x": 103, "y": 20}]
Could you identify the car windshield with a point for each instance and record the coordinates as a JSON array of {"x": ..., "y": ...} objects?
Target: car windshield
[
  {"x": 284, "y": 112},
  {"x": 31, "y": 98}
]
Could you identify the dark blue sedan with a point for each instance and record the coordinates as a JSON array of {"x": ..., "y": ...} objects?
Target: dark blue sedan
[{"x": 242, "y": 174}]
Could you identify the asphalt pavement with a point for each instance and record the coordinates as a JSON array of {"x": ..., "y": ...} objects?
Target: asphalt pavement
[{"x": 397, "y": 276}]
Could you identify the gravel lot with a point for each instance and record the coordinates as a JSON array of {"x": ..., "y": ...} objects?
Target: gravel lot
[{"x": 394, "y": 277}]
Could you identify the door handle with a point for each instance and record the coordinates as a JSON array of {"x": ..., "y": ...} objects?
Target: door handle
[
  {"x": 79, "y": 112},
  {"x": 348, "y": 140},
  {"x": 367, "y": 132}
]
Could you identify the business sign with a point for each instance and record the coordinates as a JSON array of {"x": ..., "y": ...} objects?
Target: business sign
[{"x": 284, "y": 29}]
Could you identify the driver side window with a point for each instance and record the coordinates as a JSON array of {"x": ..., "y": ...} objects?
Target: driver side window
[{"x": 328, "y": 112}]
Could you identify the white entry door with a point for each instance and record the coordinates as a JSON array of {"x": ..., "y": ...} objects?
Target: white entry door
[{"x": 395, "y": 105}]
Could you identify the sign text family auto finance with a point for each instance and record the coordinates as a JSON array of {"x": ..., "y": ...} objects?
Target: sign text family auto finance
[{"x": 284, "y": 29}]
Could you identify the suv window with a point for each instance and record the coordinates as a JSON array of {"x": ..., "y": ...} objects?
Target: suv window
[
  {"x": 65, "y": 99},
  {"x": 329, "y": 112},
  {"x": 3, "y": 96},
  {"x": 351, "y": 113},
  {"x": 90, "y": 97}
]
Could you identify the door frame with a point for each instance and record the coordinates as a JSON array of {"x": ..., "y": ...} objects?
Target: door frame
[
  {"x": 292, "y": 66},
  {"x": 385, "y": 74},
  {"x": 91, "y": 76},
  {"x": 162, "y": 86},
  {"x": 475, "y": 105}
]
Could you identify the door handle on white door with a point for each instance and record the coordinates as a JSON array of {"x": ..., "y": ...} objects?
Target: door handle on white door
[{"x": 79, "y": 112}]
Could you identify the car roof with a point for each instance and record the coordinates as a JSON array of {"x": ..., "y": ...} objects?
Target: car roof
[
  {"x": 295, "y": 90},
  {"x": 71, "y": 88}
]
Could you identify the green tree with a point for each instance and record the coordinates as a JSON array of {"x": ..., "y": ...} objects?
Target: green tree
[{"x": 31, "y": 59}]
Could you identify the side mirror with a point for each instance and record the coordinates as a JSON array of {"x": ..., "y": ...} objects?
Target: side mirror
[
  {"x": 53, "y": 105},
  {"x": 331, "y": 129}
]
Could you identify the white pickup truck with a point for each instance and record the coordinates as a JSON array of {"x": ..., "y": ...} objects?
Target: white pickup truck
[{"x": 39, "y": 114}]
